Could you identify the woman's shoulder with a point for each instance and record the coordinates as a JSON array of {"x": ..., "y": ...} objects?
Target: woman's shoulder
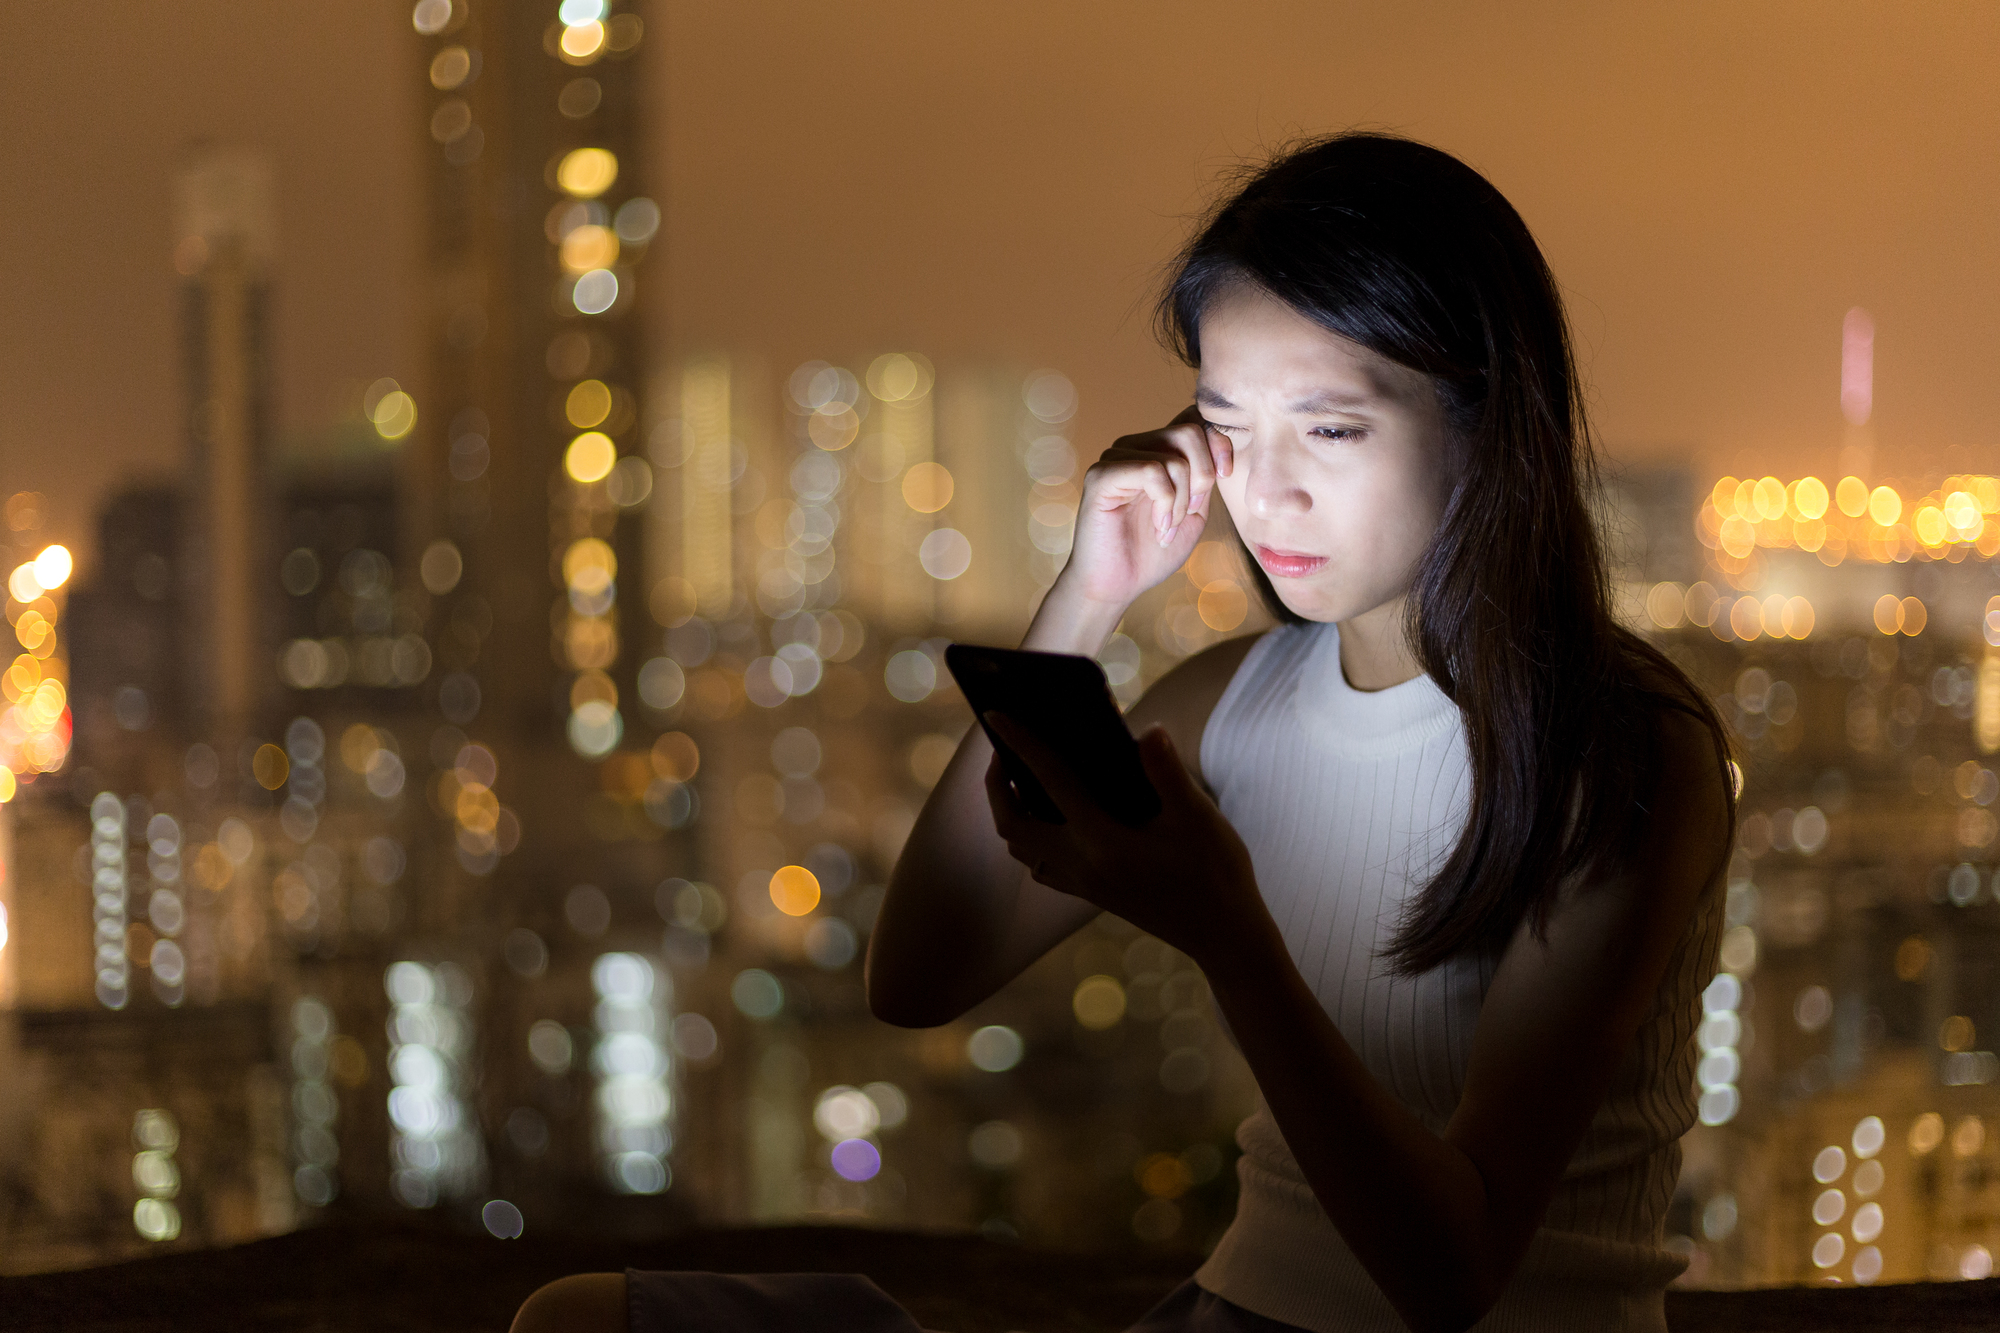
[
  {"x": 1689, "y": 783},
  {"x": 1183, "y": 699},
  {"x": 1684, "y": 723}
]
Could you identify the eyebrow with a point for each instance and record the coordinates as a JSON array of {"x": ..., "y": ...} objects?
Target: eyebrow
[{"x": 1313, "y": 404}]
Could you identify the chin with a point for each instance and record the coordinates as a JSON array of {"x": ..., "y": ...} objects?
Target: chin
[
  {"x": 1328, "y": 602},
  {"x": 1311, "y": 603}
]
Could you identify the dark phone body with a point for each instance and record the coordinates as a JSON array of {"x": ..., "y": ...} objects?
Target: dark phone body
[{"x": 1065, "y": 701}]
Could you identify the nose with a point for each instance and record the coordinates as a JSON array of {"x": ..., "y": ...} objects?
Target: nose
[{"x": 1275, "y": 486}]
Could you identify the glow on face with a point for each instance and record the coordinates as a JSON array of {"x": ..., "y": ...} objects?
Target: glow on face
[{"x": 1338, "y": 483}]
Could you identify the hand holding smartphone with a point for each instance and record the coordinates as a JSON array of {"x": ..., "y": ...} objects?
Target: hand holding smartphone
[{"x": 1065, "y": 702}]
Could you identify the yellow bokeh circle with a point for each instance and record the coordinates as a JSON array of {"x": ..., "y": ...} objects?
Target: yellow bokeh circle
[
  {"x": 588, "y": 404},
  {"x": 590, "y": 457},
  {"x": 270, "y": 767},
  {"x": 586, "y": 173}
]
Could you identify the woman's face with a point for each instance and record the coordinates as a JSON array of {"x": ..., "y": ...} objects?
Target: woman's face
[{"x": 1339, "y": 481}]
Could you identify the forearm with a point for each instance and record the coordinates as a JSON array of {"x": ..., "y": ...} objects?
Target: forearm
[
  {"x": 951, "y": 902},
  {"x": 960, "y": 917},
  {"x": 1412, "y": 1207}
]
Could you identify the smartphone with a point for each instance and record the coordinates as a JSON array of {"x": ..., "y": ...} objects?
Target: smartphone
[{"x": 1066, "y": 702}]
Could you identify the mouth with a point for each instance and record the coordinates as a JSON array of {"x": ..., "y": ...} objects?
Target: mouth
[{"x": 1288, "y": 564}]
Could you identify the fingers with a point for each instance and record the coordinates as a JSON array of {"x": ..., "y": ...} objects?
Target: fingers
[
  {"x": 1048, "y": 767},
  {"x": 1024, "y": 835},
  {"x": 1177, "y": 485},
  {"x": 1222, "y": 450},
  {"x": 1162, "y": 762},
  {"x": 1008, "y": 816},
  {"x": 1210, "y": 450},
  {"x": 1128, "y": 474},
  {"x": 1197, "y": 442},
  {"x": 1191, "y": 464},
  {"x": 1185, "y": 457},
  {"x": 1191, "y": 468},
  {"x": 1180, "y": 473}
]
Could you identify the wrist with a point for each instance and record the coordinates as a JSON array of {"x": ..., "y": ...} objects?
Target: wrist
[
  {"x": 1235, "y": 959},
  {"x": 1068, "y": 623}
]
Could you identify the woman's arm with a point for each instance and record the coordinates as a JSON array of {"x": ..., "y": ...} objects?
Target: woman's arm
[
  {"x": 961, "y": 917},
  {"x": 1439, "y": 1221}
]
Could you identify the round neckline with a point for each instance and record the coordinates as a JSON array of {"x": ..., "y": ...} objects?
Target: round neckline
[{"x": 1339, "y": 717}]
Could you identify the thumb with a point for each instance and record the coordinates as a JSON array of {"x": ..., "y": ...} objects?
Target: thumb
[{"x": 1162, "y": 762}]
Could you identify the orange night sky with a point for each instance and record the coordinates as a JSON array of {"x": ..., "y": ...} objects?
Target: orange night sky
[{"x": 1715, "y": 185}]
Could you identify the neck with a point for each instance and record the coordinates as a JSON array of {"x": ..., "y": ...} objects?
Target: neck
[{"x": 1374, "y": 651}]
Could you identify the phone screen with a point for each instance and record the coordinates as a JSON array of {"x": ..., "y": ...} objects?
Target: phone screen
[{"x": 1064, "y": 700}]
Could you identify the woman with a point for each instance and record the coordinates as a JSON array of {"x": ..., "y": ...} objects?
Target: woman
[{"x": 1447, "y": 843}]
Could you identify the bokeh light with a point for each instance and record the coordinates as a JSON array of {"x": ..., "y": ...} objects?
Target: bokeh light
[
  {"x": 633, "y": 1070},
  {"x": 394, "y": 415},
  {"x": 757, "y": 994},
  {"x": 431, "y": 16},
  {"x": 52, "y": 568},
  {"x": 856, "y": 1160},
  {"x": 581, "y": 42},
  {"x": 588, "y": 404},
  {"x": 502, "y": 1219},
  {"x": 927, "y": 487},
  {"x": 588, "y": 247},
  {"x": 995, "y": 1049},
  {"x": 590, "y": 457},
  {"x": 586, "y": 173},
  {"x": 1098, "y": 1002},
  {"x": 596, "y": 292},
  {"x": 795, "y": 890},
  {"x": 451, "y": 68}
]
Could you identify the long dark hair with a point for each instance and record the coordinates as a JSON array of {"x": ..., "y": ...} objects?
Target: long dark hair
[{"x": 1409, "y": 252}]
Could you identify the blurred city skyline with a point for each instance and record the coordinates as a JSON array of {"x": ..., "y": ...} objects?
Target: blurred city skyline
[
  {"x": 501, "y": 658},
  {"x": 1714, "y": 190}
]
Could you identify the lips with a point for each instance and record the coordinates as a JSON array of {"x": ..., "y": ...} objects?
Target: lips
[{"x": 1288, "y": 564}]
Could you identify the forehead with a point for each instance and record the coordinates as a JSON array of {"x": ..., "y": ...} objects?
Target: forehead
[{"x": 1254, "y": 345}]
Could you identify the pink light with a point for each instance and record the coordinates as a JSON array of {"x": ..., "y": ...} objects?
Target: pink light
[
  {"x": 1857, "y": 366},
  {"x": 856, "y": 1159}
]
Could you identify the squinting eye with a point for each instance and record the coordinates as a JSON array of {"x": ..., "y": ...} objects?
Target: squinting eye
[{"x": 1337, "y": 433}]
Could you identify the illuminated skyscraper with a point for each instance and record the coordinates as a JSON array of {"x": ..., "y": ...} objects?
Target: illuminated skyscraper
[{"x": 524, "y": 483}]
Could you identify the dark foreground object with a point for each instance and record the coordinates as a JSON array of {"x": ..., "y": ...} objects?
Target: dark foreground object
[{"x": 404, "y": 1280}]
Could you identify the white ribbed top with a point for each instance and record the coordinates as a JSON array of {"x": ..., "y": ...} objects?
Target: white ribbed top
[{"x": 1348, "y": 801}]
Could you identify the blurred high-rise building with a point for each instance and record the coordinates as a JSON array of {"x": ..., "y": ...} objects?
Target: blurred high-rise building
[{"x": 225, "y": 234}]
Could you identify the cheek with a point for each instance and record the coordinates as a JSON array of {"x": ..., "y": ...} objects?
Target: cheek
[
  {"x": 1399, "y": 509},
  {"x": 1230, "y": 488}
]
